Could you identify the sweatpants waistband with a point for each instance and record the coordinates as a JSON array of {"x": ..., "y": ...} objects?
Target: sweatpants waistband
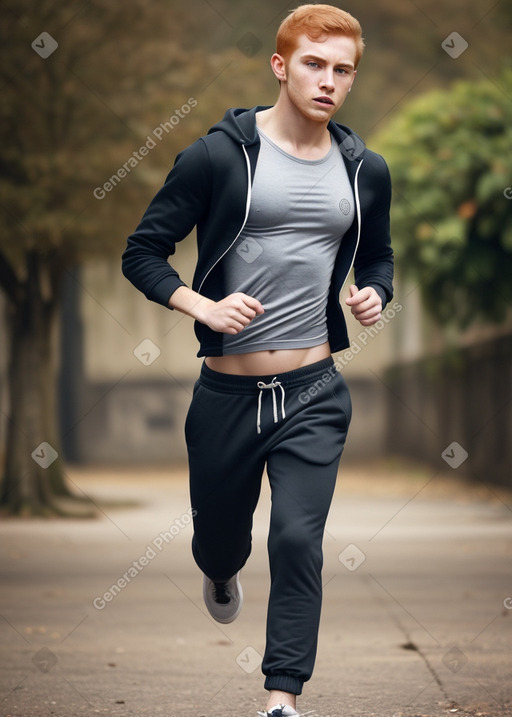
[{"x": 248, "y": 385}]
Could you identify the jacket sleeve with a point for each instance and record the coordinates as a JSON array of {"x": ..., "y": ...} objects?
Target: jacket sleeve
[
  {"x": 170, "y": 217},
  {"x": 373, "y": 264}
]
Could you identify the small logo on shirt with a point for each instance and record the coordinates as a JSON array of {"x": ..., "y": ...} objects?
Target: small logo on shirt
[{"x": 345, "y": 206}]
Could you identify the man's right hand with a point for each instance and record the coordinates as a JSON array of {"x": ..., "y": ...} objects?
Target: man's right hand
[{"x": 229, "y": 315}]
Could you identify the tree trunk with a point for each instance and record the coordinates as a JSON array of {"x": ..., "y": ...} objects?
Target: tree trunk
[{"x": 33, "y": 470}]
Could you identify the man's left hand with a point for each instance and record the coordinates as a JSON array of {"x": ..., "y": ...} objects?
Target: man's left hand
[{"x": 365, "y": 305}]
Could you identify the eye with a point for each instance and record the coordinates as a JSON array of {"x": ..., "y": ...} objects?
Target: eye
[
  {"x": 341, "y": 71},
  {"x": 313, "y": 64}
]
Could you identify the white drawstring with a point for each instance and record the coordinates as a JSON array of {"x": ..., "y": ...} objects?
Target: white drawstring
[{"x": 273, "y": 385}]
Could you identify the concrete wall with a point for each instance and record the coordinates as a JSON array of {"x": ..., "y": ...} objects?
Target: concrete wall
[
  {"x": 128, "y": 369},
  {"x": 442, "y": 407}
]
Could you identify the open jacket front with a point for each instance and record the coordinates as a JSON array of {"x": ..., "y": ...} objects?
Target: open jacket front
[{"x": 210, "y": 187}]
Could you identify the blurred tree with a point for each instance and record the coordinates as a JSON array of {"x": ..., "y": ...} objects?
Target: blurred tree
[
  {"x": 449, "y": 156},
  {"x": 69, "y": 117}
]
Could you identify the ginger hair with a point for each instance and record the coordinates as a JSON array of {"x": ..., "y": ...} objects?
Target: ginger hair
[{"x": 316, "y": 22}]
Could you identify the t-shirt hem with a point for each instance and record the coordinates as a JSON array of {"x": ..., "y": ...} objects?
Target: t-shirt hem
[{"x": 275, "y": 344}]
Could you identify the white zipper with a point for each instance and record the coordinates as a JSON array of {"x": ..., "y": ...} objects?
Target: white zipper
[
  {"x": 358, "y": 209},
  {"x": 247, "y": 207}
]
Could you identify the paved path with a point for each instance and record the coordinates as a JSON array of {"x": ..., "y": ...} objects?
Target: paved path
[{"x": 415, "y": 619}]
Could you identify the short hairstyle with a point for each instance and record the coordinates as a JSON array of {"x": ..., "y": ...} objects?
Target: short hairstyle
[{"x": 316, "y": 21}]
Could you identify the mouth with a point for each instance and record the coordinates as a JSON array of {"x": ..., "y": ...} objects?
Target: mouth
[{"x": 324, "y": 101}]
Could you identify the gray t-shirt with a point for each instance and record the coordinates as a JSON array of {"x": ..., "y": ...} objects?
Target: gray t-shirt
[{"x": 300, "y": 209}]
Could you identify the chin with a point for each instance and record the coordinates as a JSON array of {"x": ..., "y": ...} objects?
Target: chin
[
  {"x": 323, "y": 116},
  {"x": 314, "y": 114}
]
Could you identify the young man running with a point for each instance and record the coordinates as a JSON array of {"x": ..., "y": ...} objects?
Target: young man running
[{"x": 285, "y": 202}]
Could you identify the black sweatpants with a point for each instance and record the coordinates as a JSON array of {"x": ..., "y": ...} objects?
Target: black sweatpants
[{"x": 295, "y": 423}]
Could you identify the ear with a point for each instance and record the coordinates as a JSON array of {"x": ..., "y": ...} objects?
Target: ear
[{"x": 278, "y": 66}]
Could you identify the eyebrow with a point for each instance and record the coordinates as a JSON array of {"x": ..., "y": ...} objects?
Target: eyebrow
[{"x": 316, "y": 58}]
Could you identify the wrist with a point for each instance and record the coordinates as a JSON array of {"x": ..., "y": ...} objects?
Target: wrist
[
  {"x": 200, "y": 310},
  {"x": 191, "y": 303}
]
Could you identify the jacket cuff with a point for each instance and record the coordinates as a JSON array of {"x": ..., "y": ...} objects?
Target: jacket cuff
[
  {"x": 162, "y": 292},
  {"x": 382, "y": 293}
]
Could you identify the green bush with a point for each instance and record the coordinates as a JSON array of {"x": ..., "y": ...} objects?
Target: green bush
[{"x": 450, "y": 157}]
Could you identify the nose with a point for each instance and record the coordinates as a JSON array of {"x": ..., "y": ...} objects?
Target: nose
[{"x": 327, "y": 80}]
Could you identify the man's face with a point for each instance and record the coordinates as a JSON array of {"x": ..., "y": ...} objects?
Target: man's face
[{"x": 319, "y": 75}]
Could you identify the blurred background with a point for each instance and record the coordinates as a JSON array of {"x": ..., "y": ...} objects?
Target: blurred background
[{"x": 98, "y": 98}]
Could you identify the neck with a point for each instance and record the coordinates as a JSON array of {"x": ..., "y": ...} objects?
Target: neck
[{"x": 283, "y": 122}]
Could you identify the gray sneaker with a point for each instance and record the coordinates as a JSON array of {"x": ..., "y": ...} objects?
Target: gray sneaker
[
  {"x": 223, "y": 600},
  {"x": 280, "y": 711}
]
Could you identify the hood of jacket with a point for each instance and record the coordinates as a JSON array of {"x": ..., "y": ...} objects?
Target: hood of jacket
[{"x": 240, "y": 125}]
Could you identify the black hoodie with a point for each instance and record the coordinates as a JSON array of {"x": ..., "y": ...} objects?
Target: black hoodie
[{"x": 210, "y": 187}]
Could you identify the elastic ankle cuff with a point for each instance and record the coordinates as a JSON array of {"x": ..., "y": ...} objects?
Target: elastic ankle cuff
[{"x": 284, "y": 683}]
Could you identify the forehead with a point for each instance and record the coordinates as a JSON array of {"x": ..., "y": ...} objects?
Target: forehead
[{"x": 338, "y": 49}]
